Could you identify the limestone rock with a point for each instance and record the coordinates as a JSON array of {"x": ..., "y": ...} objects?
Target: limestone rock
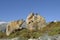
[
  {"x": 29, "y": 18},
  {"x": 14, "y": 25},
  {"x": 35, "y": 22}
]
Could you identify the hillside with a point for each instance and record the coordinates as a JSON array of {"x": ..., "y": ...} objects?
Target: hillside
[
  {"x": 33, "y": 27},
  {"x": 53, "y": 28}
]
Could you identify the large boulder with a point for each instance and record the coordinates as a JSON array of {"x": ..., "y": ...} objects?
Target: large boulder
[
  {"x": 14, "y": 25},
  {"x": 35, "y": 22}
]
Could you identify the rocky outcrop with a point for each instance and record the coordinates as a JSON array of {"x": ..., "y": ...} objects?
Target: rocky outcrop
[
  {"x": 35, "y": 21},
  {"x": 14, "y": 25}
]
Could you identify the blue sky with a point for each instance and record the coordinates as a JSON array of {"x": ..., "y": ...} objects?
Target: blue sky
[{"x": 19, "y": 9}]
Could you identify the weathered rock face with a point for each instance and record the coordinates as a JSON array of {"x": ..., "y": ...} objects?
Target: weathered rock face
[
  {"x": 29, "y": 18},
  {"x": 12, "y": 26},
  {"x": 35, "y": 21}
]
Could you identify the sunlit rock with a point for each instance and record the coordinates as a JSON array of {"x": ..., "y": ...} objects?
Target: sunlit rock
[
  {"x": 35, "y": 21},
  {"x": 14, "y": 25}
]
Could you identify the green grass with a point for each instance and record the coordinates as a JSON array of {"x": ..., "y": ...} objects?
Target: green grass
[
  {"x": 52, "y": 28},
  {"x": 22, "y": 34}
]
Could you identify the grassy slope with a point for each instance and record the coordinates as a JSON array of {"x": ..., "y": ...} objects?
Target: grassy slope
[
  {"x": 22, "y": 34},
  {"x": 51, "y": 29}
]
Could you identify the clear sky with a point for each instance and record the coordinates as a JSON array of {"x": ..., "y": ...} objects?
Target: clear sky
[{"x": 19, "y": 9}]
